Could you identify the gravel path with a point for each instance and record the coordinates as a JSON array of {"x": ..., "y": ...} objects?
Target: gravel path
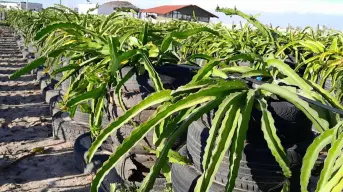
[{"x": 25, "y": 124}]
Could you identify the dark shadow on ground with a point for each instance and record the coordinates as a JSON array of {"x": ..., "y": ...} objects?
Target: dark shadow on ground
[
  {"x": 19, "y": 61},
  {"x": 7, "y": 71},
  {"x": 13, "y": 134},
  {"x": 8, "y": 45},
  {"x": 41, "y": 167},
  {"x": 13, "y": 65},
  {"x": 27, "y": 87},
  {"x": 22, "y": 78},
  {"x": 80, "y": 188},
  {"x": 19, "y": 100},
  {"x": 11, "y": 52},
  {"x": 10, "y": 56},
  {"x": 9, "y": 114}
]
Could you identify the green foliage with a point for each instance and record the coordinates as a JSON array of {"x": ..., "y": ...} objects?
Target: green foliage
[
  {"x": 99, "y": 47},
  {"x": 273, "y": 141},
  {"x": 29, "y": 67}
]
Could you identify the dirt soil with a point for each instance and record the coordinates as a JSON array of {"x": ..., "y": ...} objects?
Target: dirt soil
[{"x": 25, "y": 126}]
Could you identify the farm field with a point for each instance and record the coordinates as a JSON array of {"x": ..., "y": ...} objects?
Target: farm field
[
  {"x": 25, "y": 125},
  {"x": 115, "y": 103}
]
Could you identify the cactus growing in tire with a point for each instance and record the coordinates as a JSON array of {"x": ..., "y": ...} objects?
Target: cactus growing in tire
[
  {"x": 100, "y": 46},
  {"x": 233, "y": 101},
  {"x": 96, "y": 53}
]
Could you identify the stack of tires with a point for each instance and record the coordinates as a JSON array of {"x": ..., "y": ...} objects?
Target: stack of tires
[
  {"x": 255, "y": 173},
  {"x": 135, "y": 90},
  {"x": 132, "y": 169},
  {"x": 258, "y": 171},
  {"x": 64, "y": 127},
  {"x": 75, "y": 129}
]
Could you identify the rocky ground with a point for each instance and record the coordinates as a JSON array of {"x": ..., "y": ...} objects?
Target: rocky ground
[{"x": 30, "y": 159}]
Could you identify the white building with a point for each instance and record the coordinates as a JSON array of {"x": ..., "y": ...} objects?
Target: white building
[
  {"x": 21, "y": 5},
  {"x": 32, "y": 6},
  {"x": 106, "y": 8},
  {"x": 9, "y": 5}
]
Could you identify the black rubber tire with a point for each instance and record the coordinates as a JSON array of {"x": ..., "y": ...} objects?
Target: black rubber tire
[
  {"x": 292, "y": 124},
  {"x": 47, "y": 85},
  {"x": 136, "y": 89},
  {"x": 44, "y": 82},
  {"x": 57, "y": 78},
  {"x": 79, "y": 118},
  {"x": 108, "y": 145},
  {"x": 116, "y": 112},
  {"x": 119, "y": 136},
  {"x": 65, "y": 129},
  {"x": 65, "y": 84},
  {"x": 111, "y": 177},
  {"x": 51, "y": 94},
  {"x": 291, "y": 61},
  {"x": 123, "y": 132},
  {"x": 257, "y": 164},
  {"x": 196, "y": 142},
  {"x": 34, "y": 71},
  {"x": 170, "y": 76},
  {"x": 54, "y": 104},
  {"x": 127, "y": 172},
  {"x": 83, "y": 118},
  {"x": 184, "y": 177},
  {"x": 40, "y": 75},
  {"x": 129, "y": 99},
  {"x": 81, "y": 146}
]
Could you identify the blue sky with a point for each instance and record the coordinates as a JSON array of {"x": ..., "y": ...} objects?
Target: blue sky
[{"x": 277, "y": 12}]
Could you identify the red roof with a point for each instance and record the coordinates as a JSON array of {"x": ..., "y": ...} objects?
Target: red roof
[
  {"x": 169, "y": 8},
  {"x": 164, "y": 9}
]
